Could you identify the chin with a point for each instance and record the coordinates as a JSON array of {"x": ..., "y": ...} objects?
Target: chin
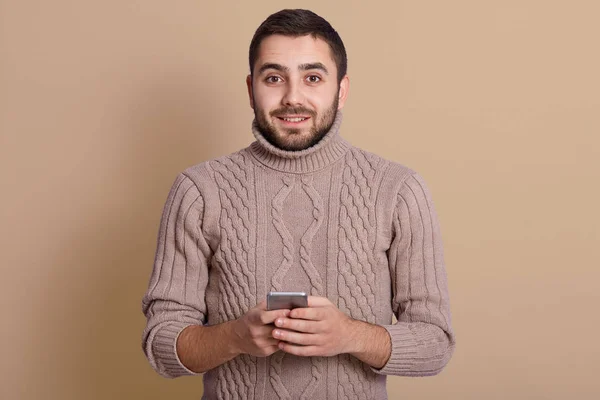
[
  {"x": 292, "y": 146},
  {"x": 301, "y": 145}
]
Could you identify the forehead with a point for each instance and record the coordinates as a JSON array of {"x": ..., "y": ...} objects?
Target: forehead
[{"x": 293, "y": 51}]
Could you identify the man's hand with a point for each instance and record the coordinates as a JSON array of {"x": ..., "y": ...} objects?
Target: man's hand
[
  {"x": 253, "y": 332},
  {"x": 323, "y": 330},
  {"x": 319, "y": 330}
]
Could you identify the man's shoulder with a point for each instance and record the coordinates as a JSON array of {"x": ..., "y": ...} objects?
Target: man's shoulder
[
  {"x": 210, "y": 163},
  {"x": 204, "y": 170},
  {"x": 378, "y": 162}
]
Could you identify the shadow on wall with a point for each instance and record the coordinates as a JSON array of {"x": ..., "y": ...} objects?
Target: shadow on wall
[{"x": 113, "y": 249}]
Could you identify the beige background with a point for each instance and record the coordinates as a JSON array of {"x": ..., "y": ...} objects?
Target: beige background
[{"x": 495, "y": 103}]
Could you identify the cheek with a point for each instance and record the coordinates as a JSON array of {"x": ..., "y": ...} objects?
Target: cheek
[
  {"x": 326, "y": 94},
  {"x": 266, "y": 98},
  {"x": 322, "y": 101}
]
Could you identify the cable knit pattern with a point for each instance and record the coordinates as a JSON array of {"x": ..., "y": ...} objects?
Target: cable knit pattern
[
  {"x": 333, "y": 220},
  {"x": 357, "y": 284},
  {"x": 284, "y": 233},
  {"x": 235, "y": 232},
  {"x": 233, "y": 176},
  {"x": 307, "y": 239},
  {"x": 307, "y": 265},
  {"x": 277, "y": 282},
  {"x": 357, "y": 236},
  {"x": 315, "y": 279}
]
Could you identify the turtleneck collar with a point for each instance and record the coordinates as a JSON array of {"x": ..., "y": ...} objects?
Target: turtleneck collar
[{"x": 329, "y": 149}]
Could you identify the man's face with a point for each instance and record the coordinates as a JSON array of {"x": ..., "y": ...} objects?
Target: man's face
[{"x": 294, "y": 91}]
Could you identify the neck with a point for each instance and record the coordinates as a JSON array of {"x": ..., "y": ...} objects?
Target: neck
[{"x": 329, "y": 149}]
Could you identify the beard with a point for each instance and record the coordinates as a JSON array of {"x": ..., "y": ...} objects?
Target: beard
[{"x": 291, "y": 139}]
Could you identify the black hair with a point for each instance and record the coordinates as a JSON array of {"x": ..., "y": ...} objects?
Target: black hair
[{"x": 300, "y": 23}]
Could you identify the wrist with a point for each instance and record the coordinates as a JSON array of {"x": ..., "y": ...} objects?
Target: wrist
[
  {"x": 356, "y": 334},
  {"x": 370, "y": 343},
  {"x": 233, "y": 337}
]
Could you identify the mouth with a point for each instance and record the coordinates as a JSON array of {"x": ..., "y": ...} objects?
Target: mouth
[{"x": 293, "y": 119}]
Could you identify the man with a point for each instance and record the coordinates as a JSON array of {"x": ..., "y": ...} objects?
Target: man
[{"x": 298, "y": 210}]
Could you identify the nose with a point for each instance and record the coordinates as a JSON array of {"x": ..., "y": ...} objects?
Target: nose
[{"x": 293, "y": 95}]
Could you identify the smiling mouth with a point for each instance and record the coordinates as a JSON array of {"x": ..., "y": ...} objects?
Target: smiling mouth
[{"x": 293, "y": 119}]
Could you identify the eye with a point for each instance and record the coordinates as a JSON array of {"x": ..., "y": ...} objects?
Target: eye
[
  {"x": 273, "y": 79},
  {"x": 313, "y": 78}
]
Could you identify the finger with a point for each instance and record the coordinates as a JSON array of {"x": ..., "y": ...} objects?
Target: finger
[
  {"x": 314, "y": 314},
  {"x": 268, "y": 317},
  {"x": 262, "y": 305},
  {"x": 265, "y": 333},
  {"x": 304, "y": 339},
  {"x": 298, "y": 325},
  {"x": 318, "y": 301},
  {"x": 267, "y": 340},
  {"x": 303, "y": 351}
]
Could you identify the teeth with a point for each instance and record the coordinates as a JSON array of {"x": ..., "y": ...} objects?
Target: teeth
[{"x": 294, "y": 119}]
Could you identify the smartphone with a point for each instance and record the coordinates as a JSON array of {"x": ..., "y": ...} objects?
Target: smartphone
[{"x": 286, "y": 300}]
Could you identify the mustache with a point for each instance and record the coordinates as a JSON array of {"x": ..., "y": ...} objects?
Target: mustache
[{"x": 291, "y": 110}]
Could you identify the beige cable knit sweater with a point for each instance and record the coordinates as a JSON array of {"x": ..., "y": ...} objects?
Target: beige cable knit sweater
[{"x": 332, "y": 220}]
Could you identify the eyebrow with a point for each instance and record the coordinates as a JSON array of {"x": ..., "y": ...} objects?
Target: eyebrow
[
  {"x": 301, "y": 67},
  {"x": 317, "y": 65}
]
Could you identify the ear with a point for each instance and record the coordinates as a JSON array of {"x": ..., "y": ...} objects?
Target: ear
[
  {"x": 249, "y": 85},
  {"x": 344, "y": 88}
]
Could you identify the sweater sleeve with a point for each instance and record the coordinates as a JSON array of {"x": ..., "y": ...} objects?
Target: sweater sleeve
[
  {"x": 175, "y": 296},
  {"x": 422, "y": 340}
]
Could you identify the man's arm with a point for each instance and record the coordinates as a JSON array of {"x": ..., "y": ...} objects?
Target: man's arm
[
  {"x": 201, "y": 348},
  {"x": 423, "y": 340},
  {"x": 175, "y": 296}
]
